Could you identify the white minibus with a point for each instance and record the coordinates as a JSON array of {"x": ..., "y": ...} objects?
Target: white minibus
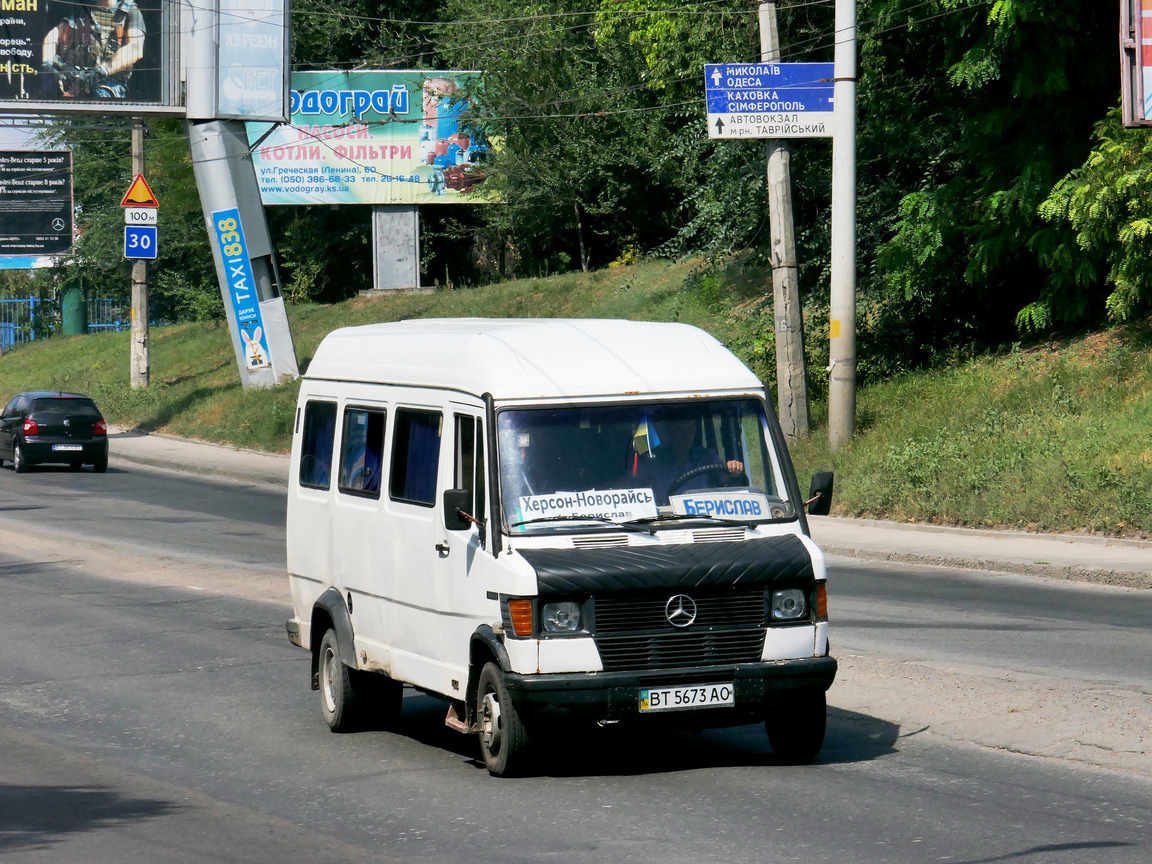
[{"x": 553, "y": 521}]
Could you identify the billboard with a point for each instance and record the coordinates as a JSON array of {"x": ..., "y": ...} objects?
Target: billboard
[
  {"x": 35, "y": 202},
  {"x": 90, "y": 55},
  {"x": 1136, "y": 61},
  {"x": 373, "y": 137},
  {"x": 251, "y": 59}
]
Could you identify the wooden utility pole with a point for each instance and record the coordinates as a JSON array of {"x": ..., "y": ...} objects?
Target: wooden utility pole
[
  {"x": 141, "y": 360},
  {"x": 791, "y": 372}
]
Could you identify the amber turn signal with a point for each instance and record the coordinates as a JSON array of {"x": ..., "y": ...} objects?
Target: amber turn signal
[
  {"x": 821, "y": 601},
  {"x": 521, "y": 614}
]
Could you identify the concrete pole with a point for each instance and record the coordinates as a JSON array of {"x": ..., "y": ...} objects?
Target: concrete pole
[
  {"x": 791, "y": 371},
  {"x": 842, "y": 329},
  {"x": 141, "y": 360}
]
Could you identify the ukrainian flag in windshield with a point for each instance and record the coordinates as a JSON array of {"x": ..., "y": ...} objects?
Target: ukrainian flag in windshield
[{"x": 645, "y": 440}]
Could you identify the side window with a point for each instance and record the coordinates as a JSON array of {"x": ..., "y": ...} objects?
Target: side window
[
  {"x": 316, "y": 448},
  {"x": 415, "y": 456},
  {"x": 13, "y": 409},
  {"x": 469, "y": 462},
  {"x": 362, "y": 451}
]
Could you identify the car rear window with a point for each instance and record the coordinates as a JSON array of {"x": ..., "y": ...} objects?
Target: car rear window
[{"x": 66, "y": 405}]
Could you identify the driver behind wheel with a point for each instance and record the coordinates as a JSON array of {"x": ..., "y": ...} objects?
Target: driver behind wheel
[{"x": 666, "y": 446}]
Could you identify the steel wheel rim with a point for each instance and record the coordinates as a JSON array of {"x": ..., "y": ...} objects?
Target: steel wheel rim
[
  {"x": 328, "y": 668},
  {"x": 490, "y": 722}
]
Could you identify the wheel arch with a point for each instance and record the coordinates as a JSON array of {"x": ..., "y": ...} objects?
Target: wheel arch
[
  {"x": 330, "y": 611},
  {"x": 484, "y": 647}
]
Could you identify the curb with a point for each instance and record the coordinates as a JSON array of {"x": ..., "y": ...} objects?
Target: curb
[{"x": 1065, "y": 573}]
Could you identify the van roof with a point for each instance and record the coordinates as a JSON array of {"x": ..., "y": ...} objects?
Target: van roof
[{"x": 524, "y": 358}]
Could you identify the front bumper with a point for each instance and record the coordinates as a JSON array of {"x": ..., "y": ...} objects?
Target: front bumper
[{"x": 615, "y": 696}]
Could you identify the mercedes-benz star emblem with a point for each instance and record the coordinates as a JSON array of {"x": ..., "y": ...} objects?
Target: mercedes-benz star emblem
[
  {"x": 57, "y": 224},
  {"x": 680, "y": 610}
]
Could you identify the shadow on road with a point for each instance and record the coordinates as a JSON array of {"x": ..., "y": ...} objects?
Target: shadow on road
[
  {"x": 620, "y": 750},
  {"x": 36, "y": 817}
]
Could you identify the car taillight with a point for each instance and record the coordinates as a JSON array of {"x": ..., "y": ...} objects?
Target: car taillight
[
  {"x": 101, "y": 428},
  {"x": 30, "y": 427}
]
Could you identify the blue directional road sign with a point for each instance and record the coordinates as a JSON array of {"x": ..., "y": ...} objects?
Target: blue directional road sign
[
  {"x": 139, "y": 241},
  {"x": 769, "y": 100}
]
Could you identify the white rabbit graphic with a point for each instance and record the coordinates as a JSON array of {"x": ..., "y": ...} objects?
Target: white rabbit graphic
[{"x": 257, "y": 356}]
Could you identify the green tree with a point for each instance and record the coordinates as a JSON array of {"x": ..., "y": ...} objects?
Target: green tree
[
  {"x": 993, "y": 104},
  {"x": 1101, "y": 243},
  {"x": 182, "y": 279}
]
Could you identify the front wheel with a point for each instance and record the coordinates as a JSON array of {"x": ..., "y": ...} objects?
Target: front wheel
[
  {"x": 338, "y": 698},
  {"x": 796, "y": 726},
  {"x": 503, "y": 738},
  {"x": 19, "y": 463}
]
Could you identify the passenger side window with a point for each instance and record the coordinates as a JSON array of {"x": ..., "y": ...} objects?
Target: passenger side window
[
  {"x": 362, "y": 452},
  {"x": 415, "y": 456},
  {"x": 316, "y": 448},
  {"x": 469, "y": 462}
]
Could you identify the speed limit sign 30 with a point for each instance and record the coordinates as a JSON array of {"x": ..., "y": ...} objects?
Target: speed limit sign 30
[{"x": 139, "y": 241}]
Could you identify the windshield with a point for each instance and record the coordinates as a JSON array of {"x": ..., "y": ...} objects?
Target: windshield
[{"x": 639, "y": 461}]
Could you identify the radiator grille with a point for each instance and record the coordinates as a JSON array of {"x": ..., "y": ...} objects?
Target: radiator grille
[{"x": 633, "y": 632}]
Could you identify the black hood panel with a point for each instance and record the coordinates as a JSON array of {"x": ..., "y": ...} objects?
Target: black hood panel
[{"x": 748, "y": 564}]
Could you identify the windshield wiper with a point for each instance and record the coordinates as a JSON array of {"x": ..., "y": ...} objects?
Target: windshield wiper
[
  {"x": 679, "y": 517},
  {"x": 630, "y": 525}
]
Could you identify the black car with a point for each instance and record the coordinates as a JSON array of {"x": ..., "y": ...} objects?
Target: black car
[{"x": 53, "y": 427}]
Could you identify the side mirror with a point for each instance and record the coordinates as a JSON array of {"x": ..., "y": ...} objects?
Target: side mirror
[
  {"x": 820, "y": 493},
  {"x": 454, "y": 500}
]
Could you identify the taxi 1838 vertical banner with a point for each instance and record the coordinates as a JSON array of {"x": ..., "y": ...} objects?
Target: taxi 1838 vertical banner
[
  {"x": 80, "y": 51},
  {"x": 241, "y": 287}
]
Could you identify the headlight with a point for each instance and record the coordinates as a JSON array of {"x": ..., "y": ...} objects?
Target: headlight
[
  {"x": 561, "y": 617},
  {"x": 789, "y": 604}
]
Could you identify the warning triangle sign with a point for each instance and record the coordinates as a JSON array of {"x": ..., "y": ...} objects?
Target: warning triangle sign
[{"x": 139, "y": 194}]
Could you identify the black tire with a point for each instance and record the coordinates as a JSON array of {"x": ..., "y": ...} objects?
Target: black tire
[
  {"x": 338, "y": 696},
  {"x": 796, "y": 726},
  {"x": 75, "y": 466},
  {"x": 19, "y": 463},
  {"x": 100, "y": 466},
  {"x": 503, "y": 738}
]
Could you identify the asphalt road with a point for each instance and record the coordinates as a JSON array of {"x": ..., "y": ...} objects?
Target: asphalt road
[
  {"x": 161, "y": 511},
  {"x": 1018, "y": 623},
  {"x": 157, "y": 724}
]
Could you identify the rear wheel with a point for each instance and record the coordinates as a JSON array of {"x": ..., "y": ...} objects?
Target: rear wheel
[
  {"x": 503, "y": 738},
  {"x": 101, "y": 464},
  {"x": 338, "y": 699},
  {"x": 796, "y": 727},
  {"x": 75, "y": 466},
  {"x": 19, "y": 463}
]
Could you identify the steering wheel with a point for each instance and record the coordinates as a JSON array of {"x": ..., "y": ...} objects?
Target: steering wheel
[{"x": 695, "y": 472}]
